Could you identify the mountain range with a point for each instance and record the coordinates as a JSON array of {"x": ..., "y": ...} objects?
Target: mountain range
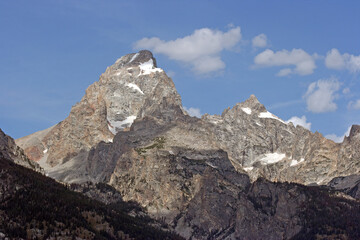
[{"x": 244, "y": 174}]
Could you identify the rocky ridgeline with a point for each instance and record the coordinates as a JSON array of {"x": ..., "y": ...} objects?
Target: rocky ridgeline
[
  {"x": 264, "y": 145},
  {"x": 204, "y": 177},
  {"x": 10, "y": 151}
]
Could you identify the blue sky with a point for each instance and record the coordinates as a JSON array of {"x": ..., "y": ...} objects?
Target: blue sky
[{"x": 300, "y": 58}]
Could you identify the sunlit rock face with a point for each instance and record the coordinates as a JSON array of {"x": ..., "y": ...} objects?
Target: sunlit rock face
[
  {"x": 134, "y": 88},
  {"x": 109, "y": 106},
  {"x": 206, "y": 177}
]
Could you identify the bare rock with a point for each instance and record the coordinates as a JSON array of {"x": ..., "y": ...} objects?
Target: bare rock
[{"x": 10, "y": 151}]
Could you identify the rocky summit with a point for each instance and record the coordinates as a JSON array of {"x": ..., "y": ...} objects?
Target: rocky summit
[
  {"x": 128, "y": 90},
  {"x": 238, "y": 175}
]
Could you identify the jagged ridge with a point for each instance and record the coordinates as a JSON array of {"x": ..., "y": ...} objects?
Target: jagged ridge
[{"x": 168, "y": 161}]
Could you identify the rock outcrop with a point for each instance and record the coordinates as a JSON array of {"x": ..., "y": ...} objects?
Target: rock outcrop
[
  {"x": 349, "y": 185},
  {"x": 10, "y": 151}
]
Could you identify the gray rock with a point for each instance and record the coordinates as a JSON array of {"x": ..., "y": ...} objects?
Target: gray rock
[{"x": 349, "y": 185}]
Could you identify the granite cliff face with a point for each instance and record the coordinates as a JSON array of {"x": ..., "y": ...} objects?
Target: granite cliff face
[{"x": 208, "y": 177}]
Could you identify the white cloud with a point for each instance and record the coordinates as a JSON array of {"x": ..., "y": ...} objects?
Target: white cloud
[
  {"x": 194, "y": 112},
  {"x": 338, "y": 139},
  {"x": 284, "y": 72},
  {"x": 354, "y": 105},
  {"x": 201, "y": 49},
  {"x": 304, "y": 63},
  {"x": 259, "y": 41},
  {"x": 346, "y": 90},
  {"x": 335, "y": 60},
  {"x": 300, "y": 121},
  {"x": 320, "y": 96}
]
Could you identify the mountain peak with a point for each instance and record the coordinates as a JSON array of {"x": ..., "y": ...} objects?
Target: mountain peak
[
  {"x": 253, "y": 103},
  {"x": 354, "y": 132},
  {"x": 252, "y": 100},
  {"x": 131, "y": 88},
  {"x": 135, "y": 59}
]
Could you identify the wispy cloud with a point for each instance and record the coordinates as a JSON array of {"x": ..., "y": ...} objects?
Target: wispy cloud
[
  {"x": 284, "y": 104},
  {"x": 354, "y": 104},
  {"x": 194, "y": 112}
]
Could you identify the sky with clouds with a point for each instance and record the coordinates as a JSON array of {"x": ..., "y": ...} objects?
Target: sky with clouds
[{"x": 300, "y": 58}]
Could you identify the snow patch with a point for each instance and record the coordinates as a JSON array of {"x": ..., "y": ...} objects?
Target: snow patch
[
  {"x": 272, "y": 158},
  {"x": 134, "y": 86},
  {"x": 248, "y": 169},
  {"x": 319, "y": 182},
  {"x": 133, "y": 58},
  {"x": 270, "y": 115},
  {"x": 148, "y": 67},
  {"x": 246, "y": 110},
  {"x": 211, "y": 165},
  {"x": 115, "y": 125},
  {"x": 296, "y": 162}
]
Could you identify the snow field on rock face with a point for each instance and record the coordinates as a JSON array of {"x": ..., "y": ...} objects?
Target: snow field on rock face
[
  {"x": 246, "y": 110},
  {"x": 272, "y": 158},
  {"x": 148, "y": 67},
  {"x": 296, "y": 162},
  {"x": 114, "y": 125},
  {"x": 248, "y": 169},
  {"x": 133, "y": 58},
  {"x": 134, "y": 86},
  {"x": 270, "y": 115}
]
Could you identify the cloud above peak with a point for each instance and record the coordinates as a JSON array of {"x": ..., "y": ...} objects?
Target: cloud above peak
[
  {"x": 335, "y": 60},
  {"x": 201, "y": 49},
  {"x": 320, "y": 95},
  {"x": 338, "y": 139},
  {"x": 304, "y": 63},
  {"x": 194, "y": 112},
  {"x": 300, "y": 121}
]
